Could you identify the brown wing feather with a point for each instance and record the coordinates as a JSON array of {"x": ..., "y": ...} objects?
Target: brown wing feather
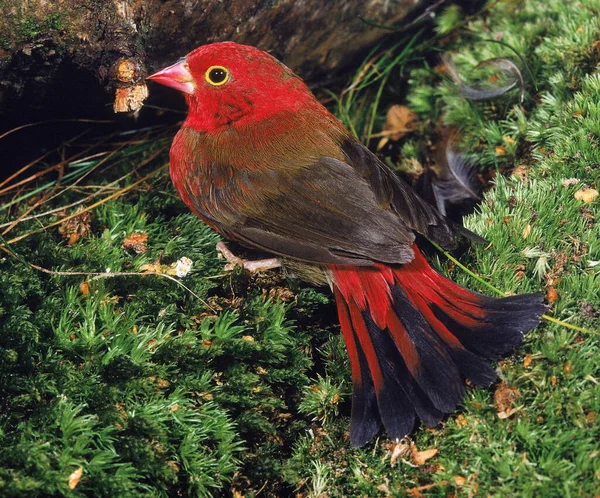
[
  {"x": 393, "y": 192},
  {"x": 319, "y": 197},
  {"x": 329, "y": 211}
]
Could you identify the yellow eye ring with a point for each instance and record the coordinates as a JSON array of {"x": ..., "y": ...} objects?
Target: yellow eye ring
[{"x": 216, "y": 75}]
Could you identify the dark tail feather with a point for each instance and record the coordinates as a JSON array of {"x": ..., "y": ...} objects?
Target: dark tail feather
[
  {"x": 413, "y": 336},
  {"x": 365, "y": 414}
]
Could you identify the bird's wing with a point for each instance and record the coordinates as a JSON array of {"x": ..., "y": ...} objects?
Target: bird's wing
[
  {"x": 392, "y": 192},
  {"x": 326, "y": 213},
  {"x": 331, "y": 211}
]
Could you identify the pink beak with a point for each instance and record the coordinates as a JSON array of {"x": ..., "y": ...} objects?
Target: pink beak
[{"x": 176, "y": 76}]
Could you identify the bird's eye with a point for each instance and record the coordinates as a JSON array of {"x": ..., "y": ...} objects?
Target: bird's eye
[{"x": 217, "y": 75}]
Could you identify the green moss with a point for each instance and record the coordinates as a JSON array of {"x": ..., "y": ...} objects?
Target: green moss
[
  {"x": 55, "y": 21},
  {"x": 28, "y": 28},
  {"x": 449, "y": 19},
  {"x": 549, "y": 447},
  {"x": 157, "y": 391},
  {"x": 146, "y": 386},
  {"x": 26, "y": 25},
  {"x": 5, "y": 43}
]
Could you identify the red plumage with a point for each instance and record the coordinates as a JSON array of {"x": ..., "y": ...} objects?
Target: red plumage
[
  {"x": 266, "y": 165},
  {"x": 442, "y": 332}
]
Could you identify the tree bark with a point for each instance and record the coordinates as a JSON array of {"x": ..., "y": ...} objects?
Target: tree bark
[{"x": 48, "y": 42}]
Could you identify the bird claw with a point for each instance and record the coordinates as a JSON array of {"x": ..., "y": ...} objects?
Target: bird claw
[{"x": 249, "y": 266}]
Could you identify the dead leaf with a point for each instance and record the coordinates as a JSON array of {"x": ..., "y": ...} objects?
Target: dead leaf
[
  {"x": 519, "y": 272},
  {"x": 521, "y": 172},
  {"x": 282, "y": 294},
  {"x": 399, "y": 449},
  {"x": 420, "y": 457},
  {"x": 162, "y": 383},
  {"x": 75, "y": 477},
  {"x": 504, "y": 397},
  {"x": 526, "y": 231},
  {"x": 459, "y": 480},
  {"x": 153, "y": 268},
  {"x": 461, "y": 420},
  {"x": 384, "y": 488},
  {"x": 561, "y": 258},
  {"x": 399, "y": 121},
  {"x": 261, "y": 371},
  {"x": 586, "y": 194},
  {"x": 588, "y": 214},
  {"x": 567, "y": 182},
  {"x": 179, "y": 268},
  {"x": 416, "y": 492},
  {"x": 77, "y": 227},
  {"x": 551, "y": 295},
  {"x": 136, "y": 242}
]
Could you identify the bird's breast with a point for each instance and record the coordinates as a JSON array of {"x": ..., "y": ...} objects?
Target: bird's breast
[
  {"x": 233, "y": 175},
  {"x": 197, "y": 177}
]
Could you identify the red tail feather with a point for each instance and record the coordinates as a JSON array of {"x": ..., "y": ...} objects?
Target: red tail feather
[{"x": 413, "y": 336}]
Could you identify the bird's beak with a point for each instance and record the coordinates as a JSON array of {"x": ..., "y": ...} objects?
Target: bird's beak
[{"x": 176, "y": 76}]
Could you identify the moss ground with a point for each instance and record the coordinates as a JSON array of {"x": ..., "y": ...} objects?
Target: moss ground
[{"x": 137, "y": 386}]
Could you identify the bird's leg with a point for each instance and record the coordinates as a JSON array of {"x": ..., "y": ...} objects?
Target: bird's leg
[{"x": 251, "y": 266}]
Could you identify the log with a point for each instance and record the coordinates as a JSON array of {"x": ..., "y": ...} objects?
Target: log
[{"x": 52, "y": 47}]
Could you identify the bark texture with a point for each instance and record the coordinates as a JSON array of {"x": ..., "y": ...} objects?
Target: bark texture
[{"x": 119, "y": 42}]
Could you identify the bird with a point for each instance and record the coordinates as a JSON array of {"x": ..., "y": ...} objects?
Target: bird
[{"x": 268, "y": 167}]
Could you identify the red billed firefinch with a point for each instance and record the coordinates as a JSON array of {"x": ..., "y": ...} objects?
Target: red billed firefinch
[{"x": 267, "y": 166}]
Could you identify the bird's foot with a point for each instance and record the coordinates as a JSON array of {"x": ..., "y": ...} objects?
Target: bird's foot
[{"x": 250, "y": 266}]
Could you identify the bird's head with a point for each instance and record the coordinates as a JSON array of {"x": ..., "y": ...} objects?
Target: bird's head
[{"x": 230, "y": 85}]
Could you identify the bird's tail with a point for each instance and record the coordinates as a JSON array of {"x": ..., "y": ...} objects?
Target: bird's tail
[{"x": 413, "y": 336}]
